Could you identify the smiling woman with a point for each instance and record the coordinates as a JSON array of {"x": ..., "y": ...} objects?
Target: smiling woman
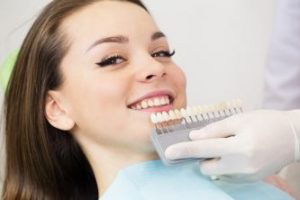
[
  {"x": 87, "y": 77},
  {"x": 122, "y": 66},
  {"x": 81, "y": 73}
]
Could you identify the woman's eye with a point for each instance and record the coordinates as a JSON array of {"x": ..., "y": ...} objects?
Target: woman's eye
[
  {"x": 114, "y": 60},
  {"x": 167, "y": 54}
]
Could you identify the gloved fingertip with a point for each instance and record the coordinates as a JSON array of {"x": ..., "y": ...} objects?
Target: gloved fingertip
[
  {"x": 197, "y": 134},
  {"x": 208, "y": 168},
  {"x": 171, "y": 153},
  {"x": 205, "y": 172}
]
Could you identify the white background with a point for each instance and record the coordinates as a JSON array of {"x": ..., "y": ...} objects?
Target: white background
[{"x": 221, "y": 45}]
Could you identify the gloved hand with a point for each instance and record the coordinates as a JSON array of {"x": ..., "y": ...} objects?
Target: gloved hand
[{"x": 245, "y": 147}]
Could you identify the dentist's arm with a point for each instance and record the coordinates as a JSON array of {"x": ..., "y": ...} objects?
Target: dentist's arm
[
  {"x": 282, "y": 72},
  {"x": 246, "y": 147}
]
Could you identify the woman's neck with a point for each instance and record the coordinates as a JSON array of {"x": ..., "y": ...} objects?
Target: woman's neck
[{"x": 107, "y": 161}]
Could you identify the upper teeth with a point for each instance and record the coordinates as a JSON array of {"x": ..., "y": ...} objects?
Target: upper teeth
[{"x": 151, "y": 102}]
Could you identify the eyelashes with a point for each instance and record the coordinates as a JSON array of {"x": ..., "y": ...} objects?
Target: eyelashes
[
  {"x": 112, "y": 60},
  {"x": 167, "y": 54},
  {"x": 118, "y": 59}
]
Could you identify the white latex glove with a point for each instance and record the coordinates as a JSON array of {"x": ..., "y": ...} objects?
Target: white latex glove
[{"x": 262, "y": 143}]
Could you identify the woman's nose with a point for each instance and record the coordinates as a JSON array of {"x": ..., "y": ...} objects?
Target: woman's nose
[{"x": 151, "y": 71}]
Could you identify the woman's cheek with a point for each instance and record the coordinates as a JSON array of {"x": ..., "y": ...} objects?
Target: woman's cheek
[{"x": 180, "y": 78}]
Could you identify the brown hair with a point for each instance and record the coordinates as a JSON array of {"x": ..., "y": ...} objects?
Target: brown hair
[{"x": 43, "y": 162}]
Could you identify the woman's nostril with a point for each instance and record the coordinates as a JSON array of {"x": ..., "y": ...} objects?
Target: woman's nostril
[{"x": 149, "y": 77}]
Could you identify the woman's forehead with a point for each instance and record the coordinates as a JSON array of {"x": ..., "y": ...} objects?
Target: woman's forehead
[{"x": 108, "y": 18}]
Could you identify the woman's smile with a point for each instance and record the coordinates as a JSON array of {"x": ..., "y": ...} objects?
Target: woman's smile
[{"x": 154, "y": 101}]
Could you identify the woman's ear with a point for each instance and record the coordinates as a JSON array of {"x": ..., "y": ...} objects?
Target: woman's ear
[{"x": 56, "y": 113}]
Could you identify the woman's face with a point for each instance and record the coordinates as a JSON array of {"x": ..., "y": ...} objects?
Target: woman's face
[{"x": 117, "y": 72}]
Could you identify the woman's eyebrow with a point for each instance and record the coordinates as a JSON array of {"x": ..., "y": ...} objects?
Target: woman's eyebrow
[
  {"x": 157, "y": 35},
  {"x": 122, "y": 39},
  {"x": 113, "y": 39}
]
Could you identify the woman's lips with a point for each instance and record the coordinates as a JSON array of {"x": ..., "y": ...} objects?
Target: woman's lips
[
  {"x": 154, "y": 104},
  {"x": 155, "y": 101}
]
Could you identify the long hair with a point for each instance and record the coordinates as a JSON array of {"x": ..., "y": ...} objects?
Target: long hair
[{"x": 43, "y": 162}]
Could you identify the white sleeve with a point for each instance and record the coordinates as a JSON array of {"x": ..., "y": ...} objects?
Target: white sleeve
[{"x": 282, "y": 73}]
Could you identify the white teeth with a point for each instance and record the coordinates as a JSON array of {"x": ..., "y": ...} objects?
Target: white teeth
[
  {"x": 159, "y": 117},
  {"x": 172, "y": 115},
  {"x": 183, "y": 112},
  {"x": 165, "y": 116},
  {"x": 167, "y": 100},
  {"x": 153, "y": 118},
  {"x": 144, "y": 104},
  {"x": 147, "y": 103},
  {"x": 189, "y": 111},
  {"x": 156, "y": 102},
  {"x": 162, "y": 101},
  {"x": 138, "y": 107},
  {"x": 150, "y": 103},
  {"x": 178, "y": 114}
]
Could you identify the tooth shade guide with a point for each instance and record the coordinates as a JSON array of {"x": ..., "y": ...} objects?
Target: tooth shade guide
[
  {"x": 196, "y": 114},
  {"x": 164, "y": 122},
  {"x": 191, "y": 114},
  {"x": 172, "y": 115},
  {"x": 231, "y": 106},
  {"x": 239, "y": 105},
  {"x": 174, "y": 126},
  {"x": 200, "y": 113}
]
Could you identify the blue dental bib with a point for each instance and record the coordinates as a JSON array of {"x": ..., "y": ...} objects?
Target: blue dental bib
[{"x": 152, "y": 180}]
